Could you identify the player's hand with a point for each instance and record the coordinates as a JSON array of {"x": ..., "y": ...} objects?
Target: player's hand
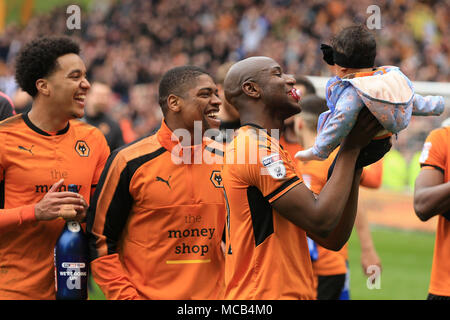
[
  {"x": 67, "y": 205},
  {"x": 369, "y": 258},
  {"x": 365, "y": 128}
]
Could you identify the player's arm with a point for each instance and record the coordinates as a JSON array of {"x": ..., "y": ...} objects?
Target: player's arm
[
  {"x": 16, "y": 216},
  {"x": 319, "y": 217},
  {"x": 106, "y": 219},
  {"x": 431, "y": 193},
  {"x": 340, "y": 234},
  {"x": 53, "y": 205},
  {"x": 369, "y": 256},
  {"x": 371, "y": 178}
]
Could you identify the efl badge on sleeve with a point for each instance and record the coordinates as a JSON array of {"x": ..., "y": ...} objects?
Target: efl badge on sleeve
[
  {"x": 425, "y": 152},
  {"x": 274, "y": 166}
]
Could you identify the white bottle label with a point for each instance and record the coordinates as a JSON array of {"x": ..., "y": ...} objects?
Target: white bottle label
[{"x": 73, "y": 226}]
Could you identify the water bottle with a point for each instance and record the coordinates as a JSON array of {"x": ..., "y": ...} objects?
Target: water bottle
[
  {"x": 71, "y": 261},
  {"x": 345, "y": 293},
  {"x": 313, "y": 252}
]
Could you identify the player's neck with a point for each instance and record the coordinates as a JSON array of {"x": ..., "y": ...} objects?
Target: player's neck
[
  {"x": 42, "y": 117},
  {"x": 261, "y": 119},
  {"x": 179, "y": 128}
]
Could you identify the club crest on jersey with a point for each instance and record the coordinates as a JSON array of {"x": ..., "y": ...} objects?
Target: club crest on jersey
[
  {"x": 216, "y": 179},
  {"x": 274, "y": 166},
  {"x": 82, "y": 148}
]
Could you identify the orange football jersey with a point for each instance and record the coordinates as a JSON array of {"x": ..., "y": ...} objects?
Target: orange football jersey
[
  {"x": 156, "y": 223},
  {"x": 267, "y": 256},
  {"x": 436, "y": 156},
  {"x": 31, "y": 161}
]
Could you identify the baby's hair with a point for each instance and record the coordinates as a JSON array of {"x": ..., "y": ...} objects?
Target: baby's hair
[{"x": 357, "y": 43}]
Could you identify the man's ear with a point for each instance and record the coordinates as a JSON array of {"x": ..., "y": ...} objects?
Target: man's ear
[
  {"x": 174, "y": 103},
  {"x": 251, "y": 89},
  {"x": 43, "y": 87}
]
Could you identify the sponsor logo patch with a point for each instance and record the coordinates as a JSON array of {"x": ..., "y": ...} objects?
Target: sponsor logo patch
[
  {"x": 266, "y": 161},
  {"x": 425, "y": 152},
  {"x": 274, "y": 166}
]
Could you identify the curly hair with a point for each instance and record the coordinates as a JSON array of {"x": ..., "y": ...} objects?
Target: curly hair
[{"x": 37, "y": 60}]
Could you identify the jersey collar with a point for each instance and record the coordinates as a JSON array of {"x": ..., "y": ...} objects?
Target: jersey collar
[
  {"x": 27, "y": 121},
  {"x": 258, "y": 127},
  {"x": 164, "y": 136},
  {"x": 170, "y": 142}
]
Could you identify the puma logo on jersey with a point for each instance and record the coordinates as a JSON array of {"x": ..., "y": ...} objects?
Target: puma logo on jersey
[
  {"x": 26, "y": 149},
  {"x": 165, "y": 181}
]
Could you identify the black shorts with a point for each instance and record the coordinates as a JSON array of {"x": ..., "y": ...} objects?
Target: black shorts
[
  {"x": 435, "y": 297},
  {"x": 330, "y": 287}
]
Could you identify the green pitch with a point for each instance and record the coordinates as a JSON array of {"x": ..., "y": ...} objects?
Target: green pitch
[{"x": 406, "y": 259}]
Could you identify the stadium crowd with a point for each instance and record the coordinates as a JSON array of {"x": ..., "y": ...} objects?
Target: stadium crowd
[{"x": 129, "y": 44}]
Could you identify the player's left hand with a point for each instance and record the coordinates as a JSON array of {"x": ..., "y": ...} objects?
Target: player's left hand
[{"x": 78, "y": 213}]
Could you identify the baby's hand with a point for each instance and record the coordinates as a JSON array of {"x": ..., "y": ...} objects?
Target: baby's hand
[{"x": 307, "y": 155}]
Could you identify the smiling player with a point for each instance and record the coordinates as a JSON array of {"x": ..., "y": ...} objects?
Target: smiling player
[
  {"x": 156, "y": 223},
  {"x": 270, "y": 209},
  {"x": 41, "y": 153}
]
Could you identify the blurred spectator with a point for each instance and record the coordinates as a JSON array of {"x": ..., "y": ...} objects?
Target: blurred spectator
[
  {"x": 227, "y": 112},
  {"x": 143, "y": 106},
  {"x": 129, "y": 44},
  {"x": 305, "y": 86},
  {"x": 413, "y": 170},
  {"x": 253, "y": 28},
  {"x": 98, "y": 102},
  {"x": 7, "y": 83},
  {"x": 22, "y": 101},
  {"x": 6, "y": 106},
  {"x": 395, "y": 171}
]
